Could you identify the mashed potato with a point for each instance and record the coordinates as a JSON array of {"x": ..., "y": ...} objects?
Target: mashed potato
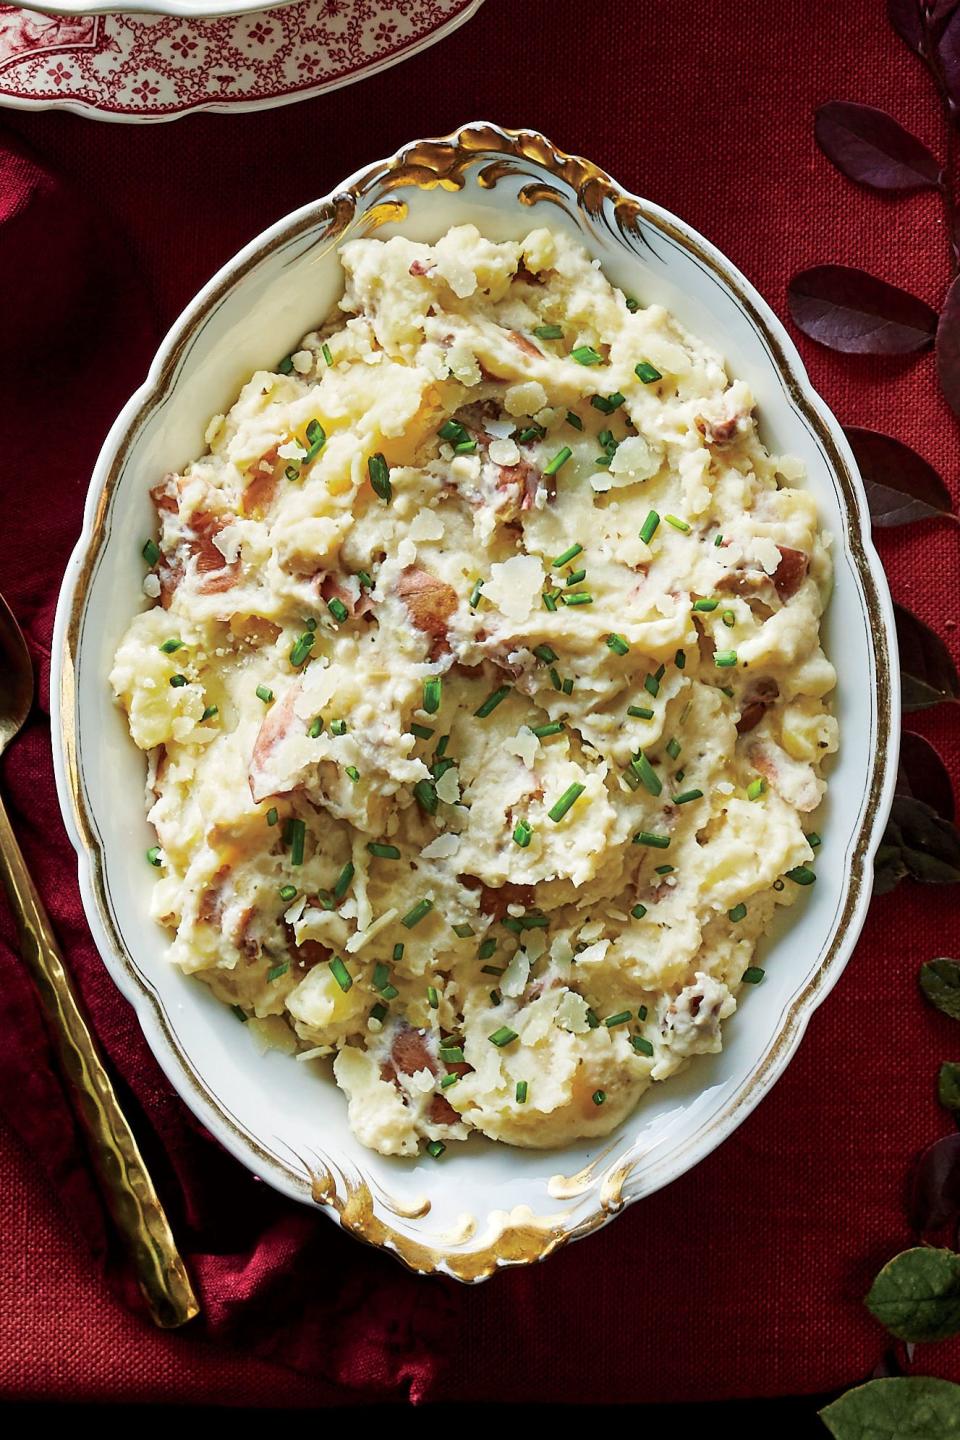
[{"x": 483, "y": 698}]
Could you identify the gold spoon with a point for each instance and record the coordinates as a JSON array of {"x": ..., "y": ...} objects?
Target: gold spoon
[{"x": 129, "y": 1192}]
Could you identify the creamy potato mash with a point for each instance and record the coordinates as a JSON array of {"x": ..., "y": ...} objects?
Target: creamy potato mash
[{"x": 483, "y": 696}]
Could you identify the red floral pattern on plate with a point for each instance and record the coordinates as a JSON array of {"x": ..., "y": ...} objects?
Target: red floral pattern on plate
[{"x": 156, "y": 67}]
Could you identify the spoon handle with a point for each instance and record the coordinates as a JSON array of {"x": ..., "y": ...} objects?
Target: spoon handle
[{"x": 129, "y": 1192}]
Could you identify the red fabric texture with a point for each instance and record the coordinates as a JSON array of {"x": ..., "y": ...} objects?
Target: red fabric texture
[{"x": 745, "y": 1277}]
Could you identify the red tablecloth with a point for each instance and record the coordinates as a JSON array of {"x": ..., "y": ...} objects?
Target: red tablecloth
[{"x": 746, "y": 1276}]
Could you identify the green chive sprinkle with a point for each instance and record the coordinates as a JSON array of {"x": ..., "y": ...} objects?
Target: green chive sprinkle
[
  {"x": 414, "y": 916},
  {"x": 544, "y": 653},
  {"x": 752, "y": 976},
  {"x": 664, "y": 870},
  {"x": 343, "y": 881},
  {"x": 383, "y": 852},
  {"x": 304, "y": 644},
  {"x": 341, "y": 974},
  {"x": 287, "y": 892},
  {"x": 638, "y": 912},
  {"x": 316, "y": 439},
  {"x": 178, "y": 682},
  {"x": 738, "y": 913},
  {"x": 564, "y": 559},
  {"x": 574, "y": 420},
  {"x": 463, "y": 931},
  {"x": 277, "y": 970},
  {"x": 725, "y": 659},
  {"x": 442, "y": 744},
  {"x": 632, "y": 305},
  {"x": 577, "y": 597},
  {"x": 432, "y": 694},
  {"x": 503, "y": 1036},
  {"x": 705, "y": 604},
  {"x": 642, "y": 1013},
  {"x": 316, "y": 727},
  {"x": 569, "y": 797},
  {"x": 353, "y": 773},
  {"x": 169, "y": 646},
  {"x": 673, "y": 747},
  {"x": 585, "y": 355},
  {"x": 379, "y": 1013},
  {"x": 561, "y": 458},
  {"x": 801, "y": 875},
  {"x": 151, "y": 550},
  {"x": 576, "y": 576},
  {"x": 599, "y": 1096},
  {"x": 756, "y": 788},
  {"x": 592, "y": 1019},
  {"x": 425, "y": 794},
  {"x": 606, "y": 404},
  {"x": 725, "y": 690},
  {"x": 680, "y": 660},
  {"x": 729, "y": 619},
  {"x": 379, "y": 472},
  {"x": 528, "y": 434},
  {"x": 553, "y": 728},
  {"x": 639, "y": 712},
  {"x": 448, "y": 1080},
  {"x": 567, "y": 687},
  {"x": 264, "y": 693},
  {"x": 451, "y": 1054},
  {"x": 622, "y": 1017},
  {"x": 813, "y": 840},
  {"x": 338, "y": 610},
  {"x": 422, "y": 732},
  {"x": 493, "y": 970},
  {"x": 642, "y": 1046},
  {"x": 474, "y": 600},
  {"x": 555, "y": 680},
  {"x": 153, "y": 856},
  {"x": 292, "y": 472},
  {"x": 646, "y": 372},
  {"x": 522, "y": 834},
  {"x": 487, "y": 949},
  {"x": 338, "y": 727},
  {"x": 648, "y": 529},
  {"x": 617, "y": 644},
  {"x": 433, "y": 1000},
  {"x": 209, "y": 713},
  {"x": 687, "y": 796},
  {"x": 652, "y": 685},
  {"x": 398, "y": 952},
  {"x": 522, "y": 1092},
  {"x": 548, "y": 332},
  {"x": 491, "y": 702},
  {"x": 647, "y": 774},
  {"x": 272, "y": 815},
  {"x": 677, "y": 523},
  {"x": 647, "y": 837},
  {"x": 453, "y": 431},
  {"x": 240, "y": 1013},
  {"x": 550, "y": 601},
  {"x": 466, "y": 447},
  {"x": 381, "y": 975},
  {"x": 435, "y": 1148}
]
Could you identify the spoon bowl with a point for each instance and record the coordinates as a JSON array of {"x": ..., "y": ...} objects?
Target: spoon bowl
[{"x": 16, "y": 677}]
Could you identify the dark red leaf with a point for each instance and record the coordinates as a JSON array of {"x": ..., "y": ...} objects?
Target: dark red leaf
[
  {"x": 923, "y": 775},
  {"x": 948, "y": 348},
  {"x": 948, "y": 49},
  {"x": 869, "y": 146},
  {"x": 927, "y": 672},
  {"x": 905, "y": 17},
  {"x": 847, "y": 309},
  {"x": 901, "y": 486},
  {"x": 941, "y": 10},
  {"x": 935, "y": 1189},
  {"x": 918, "y": 843}
]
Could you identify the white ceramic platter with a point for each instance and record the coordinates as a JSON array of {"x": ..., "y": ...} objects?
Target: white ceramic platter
[
  {"x": 141, "y": 68},
  {"x": 483, "y": 1205}
]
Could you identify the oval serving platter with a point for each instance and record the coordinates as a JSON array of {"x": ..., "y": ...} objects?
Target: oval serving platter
[{"x": 483, "y": 1206}]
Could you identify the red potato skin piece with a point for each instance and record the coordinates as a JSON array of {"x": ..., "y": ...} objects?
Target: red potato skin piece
[
  {"x": 757, "y": 702},
  {"x": 210, "y": 909},
  {"x": 494, "y": 899},
  {"x": 791, "y": 572},
  {"x": 410, "y": 1053},
  {"x": 421, "y": 267},
  {"x": 261, "y": 486},
  {"x": 332, "y": 588},
  {"x": 527, "y": 346},
  {"x": 277, "y": 723},
  {"x": 205, "y": 527},
  {"x": 430, "y": 602}
]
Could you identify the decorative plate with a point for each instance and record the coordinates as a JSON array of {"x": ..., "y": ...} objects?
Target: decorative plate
[
  {"x": 484, "y": 1205},
  {"x": 141, "y": 68}
]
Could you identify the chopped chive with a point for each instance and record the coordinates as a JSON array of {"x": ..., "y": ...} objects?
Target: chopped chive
[
  {"x": 338, "y": 727},
  {"x": 673, "y": 747},
  {"x": 425, "y": 794},
  {"x": 383, "y": 852},
  {"x": 544, "y": 653},
  {"x": 491, "y": 702},
  {"x": 617, "y": 644},
  {"x": 585, "y": 355},
  {"x": 718, "y": 539},
  {"x": 422, "y": 732},
  {"x": 550, "y": 601},
  {"x": 603, "y": 461},
  {"x": 737, "y": 913},
  {"x": 343, "y": 881},
  {"x": 725, "y": 659},
  {"x": 647, "y": 837},
  {"x": 169, "y": 646},
  {"x": 379, "y": 1012},
  {"x": 389, "y": 992},
  {"x": 463, "y": 931},
  {"x": 567, "y": 686},
  {"x": 577, "y": 597},
  {"x": 752, "y": 976},
  {"x": 801, "y": 875},
  {"x": 648, "y": 775},
  {"x": 649, "y": 526},
  {"x": 664, "y": 869},
  {"x": 310, "y": 624},
  {"x": 316, "y": 727},
  {"x": 264, "y": 693},
  {"x": 599, "y": 1096},
  {"x": 474, "y": 599},
  {"x": 576, "y": 576},
  {"x": 277, "y": 970},
  {"x": 553, "y": 728},
  {"x": 272, "y": 815},
  {"x": 451, "y": 1054},
  {"x": 642, "y": 1013},
  {"x": 178, "y": 682},
  {"x": 153, "y": 856},
  {"x": 511, "y": 924},
  {"x": 813, "y": 839},
  {"x": 522, "y": 834},
  {"x": 432, "y": 694},
  {"x": 564, "y": 559},
  {"x": 592, "y": 1018},
  {"x": 398, "y": 952},
  {"x": 569, "y": 797},
  {"x": 453, "y": 431},
  {"x": 487, "y": 949},
  {"x": 521, "y": 1092},
  {"x": 353, "y": 773},
  {"x": 240, "y": 1013},
  {"x": 325, "y": 352},
  {"x": 622, "y": 1017},
  {"x": 639, "y": 712},
  {"x": 642, "y": 1046},
  {"x": 435, "y": 1148},
  {"x": 381, "y": 975},
  {"x": 414, "y": 916},
  {"x": 606, "y": 404},
  {"x": 151, "y": 550},
  {"x": 466, "y": 447},
  {"x": 729, "y": 619},
  {"x": 756, "y": 788},
  {"x": 710, "y": 604},
  {"x": 287, "y": 892},
  {"x": 316, "y": 439},
  {"x": 341, "y": 974},
  {"x": 493, "y": 970},
  {"x": 555, "y": 680},
  {"x": 529, "y": 434},
  {"x": 338, "y": 610},
  {"x": 646, "y": 372},
  {"x": 209, "y": 712},
  {"x": 725, "y": 690},
  {"x": 680, "y": 659},
  {"x": 301, "y": 647},
  {"x": 638, "y": 911},
  {"x": 561, "y": 458},
  {"x": 503, "y": 1036},
  {"x": 632, "y": 305},
  {"x": 652, "y": 685},
  {"x": 548, "y": 332},
  {"x": 448, "y": 1080},
  {"x": 440, "y": 767},
  {"x": 574, "y": 420},
  {"x": 677, "y": 523},
  {"x": 379, "y": 472},
  {"x": 631, "y": 778},
  {"x": 534, "y": 921},
  {"x": 687, "y": 796},
  {"x": 433, "y": 1000},
  {"x": 292, "y": 472}
]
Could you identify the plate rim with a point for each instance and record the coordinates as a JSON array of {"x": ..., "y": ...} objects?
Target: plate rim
[{"x": 347, "y": 1197}]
